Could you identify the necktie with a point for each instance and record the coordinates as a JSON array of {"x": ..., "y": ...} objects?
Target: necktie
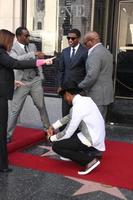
[
  {"x": 32, "y": 72},
  {"x": 73, "y": 54},
  {"x": 25, "y": 48}
]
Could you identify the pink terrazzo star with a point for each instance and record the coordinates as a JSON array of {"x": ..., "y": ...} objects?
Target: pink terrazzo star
[{"x": 90, "y": 186}]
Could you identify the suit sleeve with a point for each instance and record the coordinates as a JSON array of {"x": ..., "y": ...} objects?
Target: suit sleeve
[
  {"x": 9, "y": 62},
  {"x": 61, "y": 69},
  {"x": 93, "y": 65}
]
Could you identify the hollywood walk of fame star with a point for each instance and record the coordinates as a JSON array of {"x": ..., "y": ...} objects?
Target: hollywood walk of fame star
[{"x": 90, "y": 186}]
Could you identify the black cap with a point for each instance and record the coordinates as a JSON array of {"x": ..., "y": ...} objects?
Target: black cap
[{"x": 71, "y": 87}]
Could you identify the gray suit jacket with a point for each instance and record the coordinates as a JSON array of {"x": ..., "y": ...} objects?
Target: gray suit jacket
[
  {"x": 98, "y": 81},
  {"x": 19, "y": 53}
]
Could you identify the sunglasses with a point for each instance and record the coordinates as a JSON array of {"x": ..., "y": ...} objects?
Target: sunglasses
[{"x": 72, "y": 38}]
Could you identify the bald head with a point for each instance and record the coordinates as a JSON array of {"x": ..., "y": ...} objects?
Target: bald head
[{"x": 91, "y": 38}]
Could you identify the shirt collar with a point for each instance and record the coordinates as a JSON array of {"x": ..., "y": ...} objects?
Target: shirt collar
[
  {"x": 21, "y": 45},
  {"x": 91, "y": 49},
  {"x": 76, "y": 48},
  {"x": 76, "y": 97}
]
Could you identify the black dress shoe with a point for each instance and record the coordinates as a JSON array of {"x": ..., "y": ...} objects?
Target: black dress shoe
[{"x": 6, "y": 170}]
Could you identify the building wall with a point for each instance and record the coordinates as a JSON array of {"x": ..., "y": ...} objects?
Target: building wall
[
  {"x": 50, "y": 25},
  {"x": 10, "y": 18},
  {"x": 50, "y": 34},
  {"x": 48, "y": 19},
  {"x": 10, "y": 14}
]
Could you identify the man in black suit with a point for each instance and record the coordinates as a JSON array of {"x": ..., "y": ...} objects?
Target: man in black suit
[{"x": 72, "y": 63}]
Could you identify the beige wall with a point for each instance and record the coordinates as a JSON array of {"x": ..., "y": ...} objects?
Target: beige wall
[
  {"x": 49, "y": 33},
  {"x": 10, "y": 14},
  {"x": 10, "y": 18},
  {"x": 30, "y": 14},
  {"x": 50, "y": 24}
]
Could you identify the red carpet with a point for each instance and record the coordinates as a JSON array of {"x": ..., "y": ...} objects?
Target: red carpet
[
  {"x": 24, "y": 137},
  {"x": 116, "y": 168}
]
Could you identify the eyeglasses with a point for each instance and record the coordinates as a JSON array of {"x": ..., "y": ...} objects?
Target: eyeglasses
[{"x": 72, "y": 38}]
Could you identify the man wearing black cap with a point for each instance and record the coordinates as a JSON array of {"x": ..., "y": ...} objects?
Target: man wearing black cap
[{"x": 86, "y": 146}]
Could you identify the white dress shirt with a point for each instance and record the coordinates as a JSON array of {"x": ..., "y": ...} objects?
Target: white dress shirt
[
  {"x": 76, "y": 48},
  {"x": 91, "y": 49},
  {"x": 85, "y": 115}
]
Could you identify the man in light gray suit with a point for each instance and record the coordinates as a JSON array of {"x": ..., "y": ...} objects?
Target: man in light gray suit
[
  {"x": 99, "y": 68},
  {"x": 27, "y": 82}
]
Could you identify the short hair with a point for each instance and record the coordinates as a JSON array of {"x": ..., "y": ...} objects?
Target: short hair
[
  {"x": 19, "y": 30},
  {"x": 70, "y": 86},
  {"x": 76, "y": 31},
  {"x": 6, "y": 38}
]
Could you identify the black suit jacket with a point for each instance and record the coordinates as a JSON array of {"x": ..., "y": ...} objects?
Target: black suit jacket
[
  {"x": 74, "y": 70},
  {"x": 7, "y": 64}
]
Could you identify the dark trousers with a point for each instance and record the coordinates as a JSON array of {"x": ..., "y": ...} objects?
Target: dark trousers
[
  {"x": 74, "y": 149},
  {"x": 3, "y": 133},
  {"x": 65, "y": 107}
]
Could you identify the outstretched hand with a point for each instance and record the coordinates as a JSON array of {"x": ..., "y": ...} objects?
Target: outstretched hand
[
  {"x": 18, "y": 83},
  {"x": 49, "y": 61},
  {"x": 40, "y": 62}
]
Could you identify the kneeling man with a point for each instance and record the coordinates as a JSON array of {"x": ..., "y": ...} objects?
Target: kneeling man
[{"x": 83, "y": 139}]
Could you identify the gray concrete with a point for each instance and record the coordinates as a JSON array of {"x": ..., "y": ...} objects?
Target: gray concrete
[{"x": 30, "y": 115}]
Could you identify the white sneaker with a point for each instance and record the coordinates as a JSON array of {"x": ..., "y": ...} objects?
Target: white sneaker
[
  {"x": 65, "y": 159},
  {"x": 89, "y": 167}
]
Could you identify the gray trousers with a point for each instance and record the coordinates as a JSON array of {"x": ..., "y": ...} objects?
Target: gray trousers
[
  {"x": 103, "y": 110},
  {"x": 35, "y": 90}
]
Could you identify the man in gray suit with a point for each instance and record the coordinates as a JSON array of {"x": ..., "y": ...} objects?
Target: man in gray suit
[
  {"x": 99, "y": 67},
  {"x": 27, "y": 82}
]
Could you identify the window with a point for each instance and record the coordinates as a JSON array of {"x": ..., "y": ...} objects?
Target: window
[
  {"x": 49, "y": 22},
  {"x": 124, "y": 71}
]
